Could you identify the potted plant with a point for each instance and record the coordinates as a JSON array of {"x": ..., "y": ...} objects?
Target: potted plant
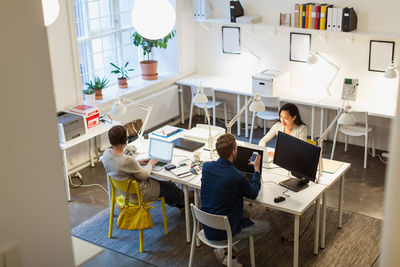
[
  {"x": 123, "y": 71},
  {"x": 98, "y": 85},
  {"x": 149, "y": 67},
  {"x": 89, "y": 95}
]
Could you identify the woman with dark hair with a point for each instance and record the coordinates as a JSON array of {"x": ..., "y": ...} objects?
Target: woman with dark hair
[{"x": 290, "y": 123}]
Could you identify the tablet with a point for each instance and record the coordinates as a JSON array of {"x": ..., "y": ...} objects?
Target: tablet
[{"x": 187, "y": 144}]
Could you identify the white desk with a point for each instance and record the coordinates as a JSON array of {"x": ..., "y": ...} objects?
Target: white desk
[
  {"x": 91, "y": 133},
  {"x": 297, "y": 204},
  {"x": 243, "y": 87}
]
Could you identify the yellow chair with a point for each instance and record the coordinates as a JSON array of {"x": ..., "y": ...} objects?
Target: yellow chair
[
  {"x": 311, "y": 142},
  {"x": 134, "y": 189}
]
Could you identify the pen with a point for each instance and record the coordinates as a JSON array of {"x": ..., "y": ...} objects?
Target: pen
[{"x": 182, "y": 173}]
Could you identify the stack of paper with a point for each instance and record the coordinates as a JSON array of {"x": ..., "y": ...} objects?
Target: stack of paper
[
  {"x": 249, "y": 19},
  {"x": 166, "y": 131},
  {"x": 201, "y": 134}
]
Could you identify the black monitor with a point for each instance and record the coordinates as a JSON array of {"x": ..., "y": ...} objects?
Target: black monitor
[{"x": 297, "y": 156}]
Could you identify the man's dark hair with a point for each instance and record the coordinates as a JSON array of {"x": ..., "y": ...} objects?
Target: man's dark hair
[
  {"x": 226, "y": 143},
  {"x": 117, "y": 135}
]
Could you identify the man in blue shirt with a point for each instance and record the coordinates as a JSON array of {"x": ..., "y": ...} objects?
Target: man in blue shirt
[{"x": 222, "y": 190}]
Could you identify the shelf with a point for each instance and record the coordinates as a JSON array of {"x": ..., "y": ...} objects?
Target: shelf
[{"x": 348, "y": 36}]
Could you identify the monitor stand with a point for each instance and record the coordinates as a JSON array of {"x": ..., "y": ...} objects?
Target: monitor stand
[{"x": 295, "y": 184}]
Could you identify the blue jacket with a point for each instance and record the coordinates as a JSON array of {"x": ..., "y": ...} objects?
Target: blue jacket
[{"x": 222, "y": 190}]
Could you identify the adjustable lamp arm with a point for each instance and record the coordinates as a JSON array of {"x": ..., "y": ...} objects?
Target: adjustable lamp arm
[
  {"x": 337, "y": 68},
  {"x": 148, "y": 109},
  {"x": 230, "y": 124},
  {"x": 322, "y": 138}
]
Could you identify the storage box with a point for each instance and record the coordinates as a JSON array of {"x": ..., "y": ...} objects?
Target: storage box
[
  {"x": 91, "y": 114},
  {"x": 265, "y": 82}
]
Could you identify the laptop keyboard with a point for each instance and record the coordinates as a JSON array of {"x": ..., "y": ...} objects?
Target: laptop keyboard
[{"x": 161, "y": 164}]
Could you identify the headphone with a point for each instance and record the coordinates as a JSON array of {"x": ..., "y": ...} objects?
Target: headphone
[{"x": 124, "y": 137}]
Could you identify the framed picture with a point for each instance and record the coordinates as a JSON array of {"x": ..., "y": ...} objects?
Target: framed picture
[
  {"x": 231, "y": 40},
  {"x": 381, "y": 54},
  {"x": 300, "y": 45}
]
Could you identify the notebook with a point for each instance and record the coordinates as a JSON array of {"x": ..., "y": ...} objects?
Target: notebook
[
  {"x": 161, "y": 150},
  {"x": 187, "y": 144}
]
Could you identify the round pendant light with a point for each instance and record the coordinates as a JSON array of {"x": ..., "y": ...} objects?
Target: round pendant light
[
  {"x": 51, "y": 8},
  {"x": 153, "y": 19}
]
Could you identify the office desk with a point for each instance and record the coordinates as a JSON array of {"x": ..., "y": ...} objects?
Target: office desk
[
  {"x": 298, "y": 202},
  {"x": 90, "y": 134},
  {"x": 243, "y": 87}
]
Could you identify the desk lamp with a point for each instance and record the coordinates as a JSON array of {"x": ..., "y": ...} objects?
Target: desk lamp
[
  {"x": 119, "y": 108},
  {"x": 256, "y": 105},
  {"x": 312, "y": 59},
  {"x": 390, "y": 72},
  {"x": 51, "y": 9},
  {"x": 201, "y": 98}
]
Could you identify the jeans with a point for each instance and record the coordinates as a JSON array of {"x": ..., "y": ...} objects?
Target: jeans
[
  {"x": 256, "y": 230},
  {"x": 172, "y": 194}
]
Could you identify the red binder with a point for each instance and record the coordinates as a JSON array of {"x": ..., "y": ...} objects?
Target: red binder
[{"x": 317, "y": 16}]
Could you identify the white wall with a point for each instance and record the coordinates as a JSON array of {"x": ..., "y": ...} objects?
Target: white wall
[
  {"x": 274, "y": 50},
  {"x": 33, "y": 207}
]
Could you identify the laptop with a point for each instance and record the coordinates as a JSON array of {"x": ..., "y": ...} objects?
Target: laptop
[
  {"x": 187, "y": 144},
  {"x": 161, "y": 150},
  {"x": 245, "y": 152}
]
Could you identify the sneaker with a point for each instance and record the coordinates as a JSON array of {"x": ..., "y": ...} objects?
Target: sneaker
[
  {"x": 235, "y": 262},
  {"x": 220, "y": 254}
]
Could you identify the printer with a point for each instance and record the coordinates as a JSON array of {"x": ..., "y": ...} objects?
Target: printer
[
  {"x": 70, "y": 125},
  {"x": 265, "y": 82}
]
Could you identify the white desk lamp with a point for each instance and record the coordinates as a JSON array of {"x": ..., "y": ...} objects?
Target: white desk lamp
[
  {"x": 312, "y": 59},
  {"x": 256, "y": 105},
  {"x": 119, "y": 108},
  {"x": 201, "y": 98},
  {"x": 390, "y": 72},
  {"x": 344, "y": 117}
]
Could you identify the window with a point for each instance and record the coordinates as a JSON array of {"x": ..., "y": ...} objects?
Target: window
[{"x": 104, "y": 31}]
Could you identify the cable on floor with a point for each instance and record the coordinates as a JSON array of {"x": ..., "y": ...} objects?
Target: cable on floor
[
  {"x": 79, "y": 177},
  {"x": 301, "y": 235}
]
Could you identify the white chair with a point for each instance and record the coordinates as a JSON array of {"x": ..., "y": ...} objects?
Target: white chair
[
  {"x": 217, "y": 222},
  {"x": 360, "y": 129},
  {"x": 209, "y": 92},
  {"x": 271, "y": 113}
]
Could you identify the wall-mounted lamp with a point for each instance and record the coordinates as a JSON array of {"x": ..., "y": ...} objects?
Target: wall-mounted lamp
[
  {"x": 390, "y": 72},
  {"x": 312, "y": 59},
  {"x": 51, "y": 9},
  {"x": 153, "y": 19}
]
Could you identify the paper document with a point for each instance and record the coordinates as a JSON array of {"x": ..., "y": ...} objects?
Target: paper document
[
  {"x": 182, "y": 171},
  {"x": 330, "y": 166},
  {"x": 201, "y": 134},
  {"x": 166, "y": 131}
]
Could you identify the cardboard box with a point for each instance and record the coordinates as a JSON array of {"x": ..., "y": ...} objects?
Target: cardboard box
[{"x": 91, "y": 114}]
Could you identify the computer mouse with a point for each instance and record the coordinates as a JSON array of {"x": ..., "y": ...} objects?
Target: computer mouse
[{"x": 279, "y": 199}]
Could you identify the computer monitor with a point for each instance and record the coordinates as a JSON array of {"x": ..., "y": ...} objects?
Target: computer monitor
[
  {"x": 244, "y": 152},
  {"x": 297, "y": 156}
]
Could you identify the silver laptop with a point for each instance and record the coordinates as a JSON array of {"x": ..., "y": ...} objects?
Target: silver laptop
[{"x": 161, "y": 150}]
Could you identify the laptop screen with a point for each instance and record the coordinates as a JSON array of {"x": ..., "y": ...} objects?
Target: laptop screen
[{"x": 161, "y": 150}]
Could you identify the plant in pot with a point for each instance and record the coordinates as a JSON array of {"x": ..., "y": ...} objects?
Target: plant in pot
[
  {"x": 123, "y": 71},
  {"x": 98, "y": 85},
  {"x": 89, "y": 95},
  {"x": 149, "y": 67}
]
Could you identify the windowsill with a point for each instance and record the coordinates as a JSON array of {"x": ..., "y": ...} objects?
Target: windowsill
[{"x": 137, "y": 88}]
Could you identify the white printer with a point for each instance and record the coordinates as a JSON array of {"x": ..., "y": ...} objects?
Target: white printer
[
  {"x": 70, "y": 125},
  {"x": 265, "y": 82}
]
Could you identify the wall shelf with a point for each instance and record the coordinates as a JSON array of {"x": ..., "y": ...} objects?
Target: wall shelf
[{"x": 322, "y": 34}]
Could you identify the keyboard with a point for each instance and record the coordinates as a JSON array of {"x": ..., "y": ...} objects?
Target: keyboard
[
  {"x": 159, "y": 166},
  {"x": 293, "y": 184}
]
